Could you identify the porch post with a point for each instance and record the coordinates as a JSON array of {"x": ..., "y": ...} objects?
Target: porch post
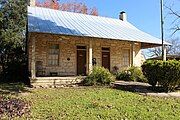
[
  {"x": 132, "y": 53},
  {"x": 33, "y": 64},
  {"x": 90, "y": 57},
  {"x": 164, "y": 51}
]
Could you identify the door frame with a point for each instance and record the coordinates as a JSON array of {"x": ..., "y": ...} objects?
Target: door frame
[
  {"x": 77, "y": 56},
  {"x": 107, "y": 47}
]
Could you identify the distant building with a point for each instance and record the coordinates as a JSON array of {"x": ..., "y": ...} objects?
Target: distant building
[{"x": 168, "y": 57}]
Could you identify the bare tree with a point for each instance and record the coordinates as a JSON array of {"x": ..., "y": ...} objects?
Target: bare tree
[
  {"x": 71, "y": 6},
  {"x": 174, "y": 49},
  {"x": 53, "y": 4},
  {"x": 154, "y": 52},
  {"x": 174, "y": 13}
]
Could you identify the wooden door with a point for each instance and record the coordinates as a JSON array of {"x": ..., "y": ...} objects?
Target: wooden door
[
  {"x": 106, "y": 58},
  {"x": 81, "y": 60}
]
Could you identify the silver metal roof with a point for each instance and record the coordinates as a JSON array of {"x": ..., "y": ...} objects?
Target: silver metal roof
[{"x": 46, "y": 20}]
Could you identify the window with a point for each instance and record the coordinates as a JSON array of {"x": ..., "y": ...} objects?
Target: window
[
  {"x": 53, "y": 54},
  {"x": 126, "y": 57}
]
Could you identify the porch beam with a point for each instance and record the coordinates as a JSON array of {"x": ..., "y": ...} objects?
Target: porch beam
[
  {"x": 33, "y": 63},
  {"x": 90, "y": 57},
  {"x": 132, "y": 53}
]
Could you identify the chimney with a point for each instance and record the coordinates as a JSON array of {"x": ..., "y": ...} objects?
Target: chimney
[
  {"x": 123, "y": 16},
  {"x": 32, "y": 3}
]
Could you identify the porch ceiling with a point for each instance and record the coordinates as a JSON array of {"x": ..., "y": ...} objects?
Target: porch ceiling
[
  {"x": 44, "y": 20},
  {"x": 149, "y": 45}
]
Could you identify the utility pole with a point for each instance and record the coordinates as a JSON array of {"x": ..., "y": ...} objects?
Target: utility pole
[{"x": 162, "y": 33}]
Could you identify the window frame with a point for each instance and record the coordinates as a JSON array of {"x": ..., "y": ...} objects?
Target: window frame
[
  {"x": 124, "y": 60},
  {"x": 53, "y": 54}
]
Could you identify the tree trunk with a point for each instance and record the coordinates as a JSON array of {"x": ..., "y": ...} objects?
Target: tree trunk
[{"x": 3, "y": 66}]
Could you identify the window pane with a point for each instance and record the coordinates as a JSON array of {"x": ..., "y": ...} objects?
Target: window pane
[
  {"x": 126, "y": 55},
  {"x": 55, "y": 46},
  {"x": 53, "y": 56}
]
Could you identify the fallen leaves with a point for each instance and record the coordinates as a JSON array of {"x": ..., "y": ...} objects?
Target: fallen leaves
[{"x": 13, "y": 107}]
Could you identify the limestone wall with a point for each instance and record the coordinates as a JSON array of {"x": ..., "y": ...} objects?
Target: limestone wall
[{"x": 67, "y": 45}]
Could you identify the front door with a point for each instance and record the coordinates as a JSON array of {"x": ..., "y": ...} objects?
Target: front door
[
  {"x": 106, "y": 58},
  {"x": 81, "y": 60}
]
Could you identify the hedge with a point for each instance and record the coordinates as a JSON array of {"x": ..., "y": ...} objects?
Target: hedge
[{"x": 165, "y": 73}]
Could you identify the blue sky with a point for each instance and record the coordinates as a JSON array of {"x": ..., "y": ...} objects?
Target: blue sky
[{"x": 144, "y": 14}]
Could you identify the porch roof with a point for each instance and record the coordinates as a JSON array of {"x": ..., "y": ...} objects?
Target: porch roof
[{"x": 44, "y": 20}]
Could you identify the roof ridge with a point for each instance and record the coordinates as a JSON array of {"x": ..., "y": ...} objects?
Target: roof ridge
[{"x": 77, "y": 13}]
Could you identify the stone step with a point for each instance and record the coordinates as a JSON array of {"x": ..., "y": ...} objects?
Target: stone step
[{"x": 55, "y": 81}]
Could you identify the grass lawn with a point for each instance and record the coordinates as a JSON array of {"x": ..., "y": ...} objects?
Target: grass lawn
[{"x": 99, "y": 103}]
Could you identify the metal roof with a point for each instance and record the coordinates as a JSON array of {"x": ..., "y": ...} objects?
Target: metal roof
[{"x": 46, "y": 20}]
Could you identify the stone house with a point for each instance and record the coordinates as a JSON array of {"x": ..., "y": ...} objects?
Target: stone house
[{"x": 63, "y": 44}]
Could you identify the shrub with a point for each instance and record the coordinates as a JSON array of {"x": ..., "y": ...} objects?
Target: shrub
[
  {"x": 15, "y": 72},
  {"x": 132, "y": 74},
  {"x": 115, "y": 70},
  {"x": 166, "y": 73},
  {"x": 99, "y": 76},
  {"x": 124, "y": 75},
  {"x": 137, "y": 74},
  {"x": 149, "y": 70}
]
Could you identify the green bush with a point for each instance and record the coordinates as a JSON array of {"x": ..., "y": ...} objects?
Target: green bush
[
  {"x": 137, "y": 74},
  {"x": 149, "y": 70},
  {"x": 132, "y": 74},
  {"x": 99, "y": 76},
  {"x": 124, "y": 75},
  {"x": 165, "y": 73}
]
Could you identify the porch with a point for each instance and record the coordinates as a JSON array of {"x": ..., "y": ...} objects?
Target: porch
[{"x": 57, "y": 59}]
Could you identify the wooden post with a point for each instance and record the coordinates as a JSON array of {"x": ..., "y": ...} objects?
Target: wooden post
[
  {"x": 90, "y": 57},
  {"x": 162, "y": 33},
  {"x": 132, "y": 53},
  {"x": 164, "y": 51},
  {"x": 33, "y": 59}
]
